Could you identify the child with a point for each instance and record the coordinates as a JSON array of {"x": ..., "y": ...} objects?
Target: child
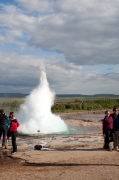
[{"x": 13, "y": 130}]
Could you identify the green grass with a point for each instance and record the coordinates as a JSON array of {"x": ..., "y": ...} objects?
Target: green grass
[
  {"x": 72, "y": 99},
  {"x": 12, "y": 104}
]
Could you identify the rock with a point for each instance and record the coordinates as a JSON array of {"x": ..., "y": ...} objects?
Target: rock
[{"x": 38, "y": 147}]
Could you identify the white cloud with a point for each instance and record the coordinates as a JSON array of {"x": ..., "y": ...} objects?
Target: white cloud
[
  {"x": 83, "y": 32},
  {"x": 86, "y": 32},
  {"x": 20, "y": 73},
  {"x": 37, "y": 5}
]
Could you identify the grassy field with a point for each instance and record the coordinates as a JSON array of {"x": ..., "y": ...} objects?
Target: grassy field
[
  {"x": 90, "y": 98},
  {"x": 13, "y": 104}
]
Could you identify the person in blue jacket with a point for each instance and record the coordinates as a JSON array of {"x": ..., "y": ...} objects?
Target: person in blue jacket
[
  {"x": 7, "y": 123},
  {"x": 7, "y": 131}
]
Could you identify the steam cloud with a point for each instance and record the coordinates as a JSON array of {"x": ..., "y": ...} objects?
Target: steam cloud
[{"x": 35, "y": 114}]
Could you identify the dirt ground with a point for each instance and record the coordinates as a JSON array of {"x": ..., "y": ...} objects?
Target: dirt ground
[
  {"x": 91, "y": 163},
  {"x": 68, "y": 158}
]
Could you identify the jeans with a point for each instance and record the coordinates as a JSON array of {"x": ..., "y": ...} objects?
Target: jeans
[
  {"x": 3, "y": 132},
  {"x": 14, "y": 144},
  {"x": 108, "y": 137}
]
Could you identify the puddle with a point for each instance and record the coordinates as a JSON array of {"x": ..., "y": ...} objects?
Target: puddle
[
  {"x": 84, "y": 129},
  {"x": 72, "y": 130}
]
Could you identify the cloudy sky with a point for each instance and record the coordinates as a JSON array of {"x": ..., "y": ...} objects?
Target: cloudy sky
[{"x": 76, "y": 40}]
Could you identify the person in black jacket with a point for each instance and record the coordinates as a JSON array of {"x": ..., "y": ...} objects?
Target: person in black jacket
[
  {"x": 114, "y": 116},
  {"x": 3, "y": 119}
]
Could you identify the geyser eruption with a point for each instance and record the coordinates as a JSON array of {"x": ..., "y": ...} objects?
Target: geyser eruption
[{"x": 35, "y": 114}]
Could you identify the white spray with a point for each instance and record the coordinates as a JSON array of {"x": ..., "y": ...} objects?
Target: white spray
[{"x": 35, "y": 114}]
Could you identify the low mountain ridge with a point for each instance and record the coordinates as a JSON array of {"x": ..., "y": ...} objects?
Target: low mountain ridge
[{"x": 57, "y": 95}]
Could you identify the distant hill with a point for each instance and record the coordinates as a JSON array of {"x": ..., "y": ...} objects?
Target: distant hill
[
  {"x": 6, "y": 95},
  {"x": 105, "y": 95},
  {"x": 80, "y": 95},
  {"x": 70, "y": 95}
]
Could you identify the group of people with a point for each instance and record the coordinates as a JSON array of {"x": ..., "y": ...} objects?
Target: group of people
[
  {"x": 8, "y": 128},
  {"x": 111, "y": 130},
  {"x": 9, "y": 125}
]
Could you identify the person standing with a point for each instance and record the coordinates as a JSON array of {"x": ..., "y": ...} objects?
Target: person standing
[
  {"x": 7, "y": 129},
  {"x": 116, "y": 130},
  {"x": 114, "y": 115},
  {"x": 108, "y": 130},
  {"x": 13, "y": 130},
  {"x": 3, "y": 119}
]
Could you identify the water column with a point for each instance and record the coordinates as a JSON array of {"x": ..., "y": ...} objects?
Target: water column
[{"x": 35, "y": 114}]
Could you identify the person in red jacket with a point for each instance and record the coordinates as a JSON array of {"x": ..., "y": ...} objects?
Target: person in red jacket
[
  {"x": 108, "y": 130},
  {"x": 14, "y": 124}
]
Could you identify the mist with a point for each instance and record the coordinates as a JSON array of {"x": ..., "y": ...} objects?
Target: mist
[{"x": 35, "y": 114}]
